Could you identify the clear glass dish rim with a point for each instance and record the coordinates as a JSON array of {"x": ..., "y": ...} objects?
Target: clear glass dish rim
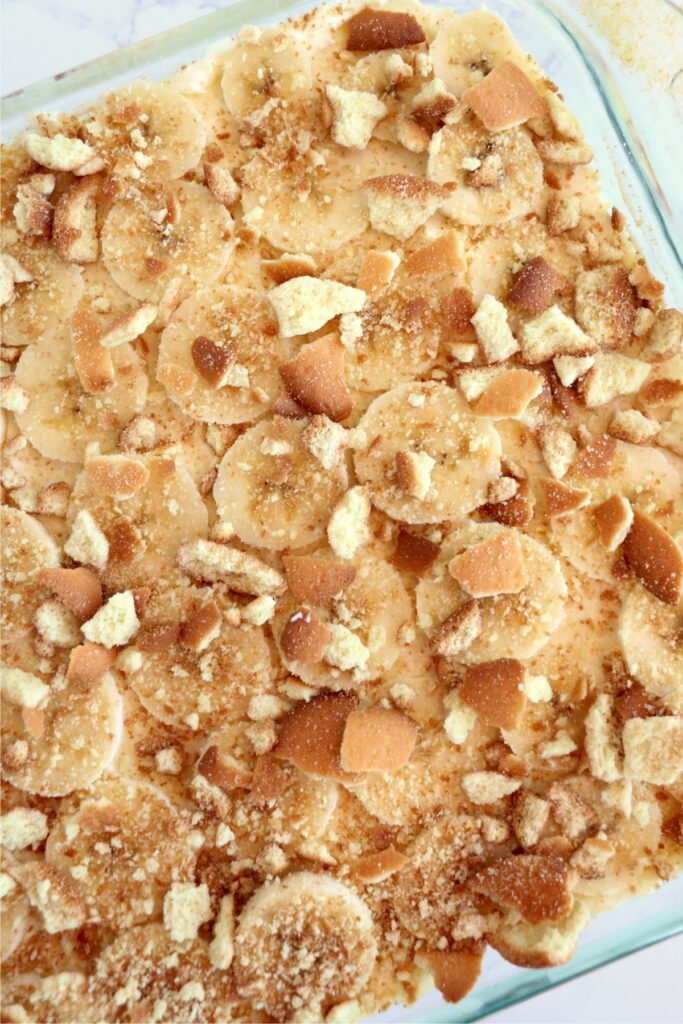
[{"x": 208, "y": 30}]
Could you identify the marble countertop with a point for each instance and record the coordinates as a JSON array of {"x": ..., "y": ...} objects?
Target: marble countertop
[{"x": 65, "y": 33}]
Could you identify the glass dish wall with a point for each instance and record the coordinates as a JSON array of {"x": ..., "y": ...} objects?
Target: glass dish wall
[{"x": 639, "y": 165}]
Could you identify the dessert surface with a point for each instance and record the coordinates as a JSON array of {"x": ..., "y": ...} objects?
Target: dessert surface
[{"x": 342, "y": 526}]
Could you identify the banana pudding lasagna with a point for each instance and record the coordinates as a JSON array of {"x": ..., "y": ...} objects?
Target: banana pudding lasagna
[{"x": 342, "y": 512}]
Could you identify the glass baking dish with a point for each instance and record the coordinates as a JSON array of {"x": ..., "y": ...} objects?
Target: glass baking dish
[{"x": 642, "y": 182}]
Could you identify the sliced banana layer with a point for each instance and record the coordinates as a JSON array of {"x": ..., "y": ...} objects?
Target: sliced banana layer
[
  {"x": 42, "y": 305},
  {"x": 241, "y": 323},
  {"x": 151, "y": 130},
  {"x": 512, "y": 625},
  {"x": 145, "y": 250},
  {"x": 273, "y": 491},
  {"x": 519, "y": 187},
  {"x": 434, "y": 420},
  {"x": 26, "y": 548},
  {"x": 145, "y": 975},
  {"x": 81, "y": 734},
  {"x": 644, "y": 475},
  {"x": 61, "y": 418},
  {"x": 423, "y": 786},
  {"x": 467, "y": 47},
  {"x": 373, "y": 607},
  {"x": 198, "y": 688},
  {"x": 273, "y": 67},
  {"x": 146, "y": 529},
  {"x": 650, "y": 634},
  {"x": 124, "y": 846},
  {"x": 307, "y": 914}
]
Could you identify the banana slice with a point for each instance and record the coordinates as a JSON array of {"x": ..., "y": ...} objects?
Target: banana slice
[
  {"x": 241, "y": 320},
  {"x": 275, "y": 67},
  {"x": 144, "y": 975},
  {"x": 433, "y": 419},
  {"x": 308, "y": 912},
  {"x": 273, "y": 491},
  {"x": 152, "y": 131},
  {"x": 182, "y": 686},
  {"x": 26, "y": 548},
  {"x": 423, "y": 786},
  {"x": 374, "y": 607},
  {"x": 43, "y": 305},
  {"x": 644, "y": 475},
  {"x": 124, "y": 846},
  {"x": 520, "y": 186},
  {"x": 468, "y": 46},
  {"x": 513, "y": 625},
  {"x": 61, "y": 419},
  {"x": 57, "y": 998},
  {"x": 81, "y": 736},
  {"x": 145, "y": 254},
  {"x": 650, "y": 634},
  {"x": 164, "y": 513}
]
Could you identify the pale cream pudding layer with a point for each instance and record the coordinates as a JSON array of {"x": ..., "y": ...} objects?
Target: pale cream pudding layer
[{"x": 342, "y": 511}]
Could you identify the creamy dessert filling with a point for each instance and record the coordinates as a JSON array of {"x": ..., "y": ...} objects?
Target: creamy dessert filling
[{"x": 342, "y": 512}]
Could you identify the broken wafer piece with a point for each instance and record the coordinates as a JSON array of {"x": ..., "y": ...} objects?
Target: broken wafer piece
[
  {"x": 613, "y": 519},
  {"x": 221, "y": 184},
  {"x": 632, "y": 426},
  {"x": 535, "y": 285},
  {"x": 377, "y": 739},
  {"x": 314, "y": 378},
  {"x": 495, "y": 690},
  {"x": 570, "y": 368},
  {"x": 560, "y": 499},
  {"x": 355, "y": 115},
  {"x": 377, "y": 272},
  {"x": 304, "y": 304},
  {"x": 290, "y": 265},
  {"x": 401, "y": 203},
  {"x": 509, "y": 394},
  {"x": 666, "y": 336},
  {"x": 456, "y": 971},
  {"x": 58, "y": 153},
  {"x": 539, "y": 888},
  {"x": 495, "y": 566},
  {"x": 74, "y": 225},
  {"x": 596, "y": 458},
  {"x": 553, "y": 334},
  {"x": 304, "y": 637},
  {"x": 505, "y": 98},
  {"x": 370, "y": 30},
  {"x": 242, "y": 571},
  {"x": 214, "y": 363},
  {"x": 117, "y": 476},
  {"x": 79, "y": 590},
  {"x": 611, "y": 376},
  {"x": 318, "y": 580},
  {"x": 375, "y": 867},
  {"x": 130, "y": 326},
  {"x": 414, "y": 553},
  {"x": 560, "y": 152},
  {"x": 311, "y": 735},
  {"x": 93, "y": 363},
  {"x": 653, "y": 749},
  {"x": 494, "y": 334},
  {"x": 87, "y": 664},
  {"x": 559, "y": 448},
  {"x": 442, "y": 256},
  {"x": 655, "y": 558},
  {"x": 414, "y": 473},
  {"x": 458, "y": 631}
]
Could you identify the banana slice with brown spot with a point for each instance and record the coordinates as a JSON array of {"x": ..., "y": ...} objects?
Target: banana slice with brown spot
[
  {"x": 197, "y": 688},
  {"x": 240, "y": 322},
  {"x": 152, "y": 132},
  {"x": 145, "y": 251},
  {"x": 273, "y": 67},
  {"x": 146, "y": 529},
  {"x": 67, "y": 744},
  {"x": 374, "y": 607},
  {"x": 652, "y": 641},
  {"x": 468, "y": 46},
  {"x": 513, "y": 625},
  {"x": 143, "y": 974},
  {"x": 61, "y": 418},
  {"x": 434, "y": 420},
  {"x": 305, "y": 911},
  {"x": 26, "y": 548},
  {"x": 273, "y": 490},
  {"x": 517, "y": 189},
  {"x": 651, "y": 482},
  {"x": 124, "y": 846}
]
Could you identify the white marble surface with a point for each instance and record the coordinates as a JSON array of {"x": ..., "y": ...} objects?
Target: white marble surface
[{"x": 42, "y": 37}]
